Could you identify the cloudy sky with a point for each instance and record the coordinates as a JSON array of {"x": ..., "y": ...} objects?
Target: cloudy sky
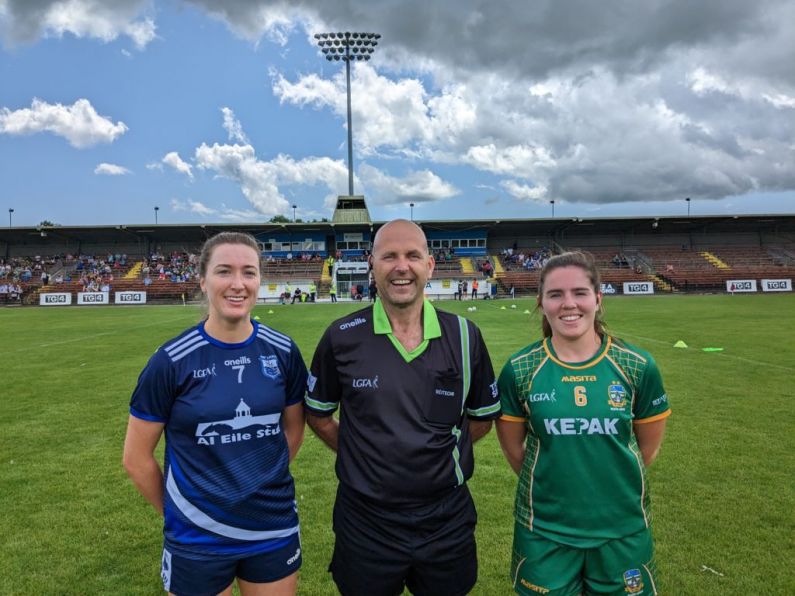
[{"x": 226, "y": 110}]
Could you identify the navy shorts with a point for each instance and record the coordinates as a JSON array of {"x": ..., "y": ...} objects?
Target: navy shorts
[
  {"x": 430, "y": 548},
  {"x": 198, "y": 577}
]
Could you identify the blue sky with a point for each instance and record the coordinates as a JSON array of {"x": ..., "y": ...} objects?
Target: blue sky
[{"x": 227, "y": 111}]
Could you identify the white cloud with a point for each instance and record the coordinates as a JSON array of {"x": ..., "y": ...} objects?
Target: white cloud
[
  {"x": 173, "y": 160},
  {"x": 233, "y": 127},
  {"x": 524, "y": 192},
  {"x": 79, "y": 123},
  {"x": 421, "y": 186},
  {"x": 192, "y": 206},
  {"x": 109, "y": 169},
  {"x": 224, "y": 213},
  {"x": 261, "y": 181},
  {"x": 104, "y": 20}
]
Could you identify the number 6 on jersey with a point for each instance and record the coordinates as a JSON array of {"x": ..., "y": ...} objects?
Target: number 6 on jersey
[{"x": 580, "y": 398}]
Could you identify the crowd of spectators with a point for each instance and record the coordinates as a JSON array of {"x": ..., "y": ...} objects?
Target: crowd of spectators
[
  {"x": 513, "y": 258},
  {"x": 179, "y": 267},
  {"x": 26, "y": 269},
  {"x": 10, "y": 292},
  {"x": 484, "y": 267},
  {"x": 444, "y": 255}
]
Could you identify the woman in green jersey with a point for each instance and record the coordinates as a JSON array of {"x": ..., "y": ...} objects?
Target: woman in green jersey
[{"x": 583, "y": 415}]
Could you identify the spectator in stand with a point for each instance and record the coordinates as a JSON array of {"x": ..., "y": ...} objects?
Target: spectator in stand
[
  {"x": 372, "y": 290},
  {"x": 3, "y": 292},
  {"x": 14, "y": 292},
  {"x": 147, "y": 281}
]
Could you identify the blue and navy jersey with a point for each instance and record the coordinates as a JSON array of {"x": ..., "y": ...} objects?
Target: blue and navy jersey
[{"x": 228, "y": 488}]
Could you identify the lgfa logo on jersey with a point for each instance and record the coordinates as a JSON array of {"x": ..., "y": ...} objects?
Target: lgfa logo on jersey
[
  {"x": 365, "y": 383},
  {"x": 542, "y": 396},
  {"x": 270, "y": 366},
  {"x": 633, "y": 581},
  {"x": 617, "y": 396}
]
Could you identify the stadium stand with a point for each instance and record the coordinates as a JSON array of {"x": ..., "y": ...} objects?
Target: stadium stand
[{"x": 690, "y": 254}]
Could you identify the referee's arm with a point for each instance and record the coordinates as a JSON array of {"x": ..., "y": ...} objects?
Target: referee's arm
[
  {"x": 479, "y": 429},
  {"x": 325, "y": 427}
]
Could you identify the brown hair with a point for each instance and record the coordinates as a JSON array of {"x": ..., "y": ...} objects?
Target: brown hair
[
  {"x": 584, "y": 261},
  {"x": 225, "y": 238}
]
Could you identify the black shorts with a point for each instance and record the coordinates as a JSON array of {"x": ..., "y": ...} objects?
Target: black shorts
[{"x": 429, "y": 548}]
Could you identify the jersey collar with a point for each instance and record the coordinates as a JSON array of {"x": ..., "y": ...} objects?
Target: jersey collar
[
  {"x": 550, "y": 350},
  {"x": 430, "y": 328},
  {"x": 223, "y": 344}
]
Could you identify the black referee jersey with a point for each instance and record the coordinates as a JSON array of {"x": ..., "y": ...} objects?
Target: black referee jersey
[{"x": 404, "y": 436}]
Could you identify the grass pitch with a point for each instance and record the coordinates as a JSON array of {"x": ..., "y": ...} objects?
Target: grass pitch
[{"x": 722, "y": 488}]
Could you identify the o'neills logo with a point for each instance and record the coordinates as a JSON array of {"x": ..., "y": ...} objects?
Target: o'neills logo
[{"x": 349, "y": 324}]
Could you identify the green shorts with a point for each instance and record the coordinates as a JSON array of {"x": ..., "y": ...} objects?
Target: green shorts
[{"x": 624, "y": 566}]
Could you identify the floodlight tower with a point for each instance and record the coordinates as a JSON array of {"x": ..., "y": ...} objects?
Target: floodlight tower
[{"x": 347, "y": 47}]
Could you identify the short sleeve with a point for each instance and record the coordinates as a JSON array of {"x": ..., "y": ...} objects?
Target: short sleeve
[
  {"x": 296, "y": 378},
  {"x": 511, "y": 407},
  {"x": 483, "y": 401},
  {"x": 651, "y": 401},
  {"x": 323, "y": 388},
  {"x": 154, "y": 394}
]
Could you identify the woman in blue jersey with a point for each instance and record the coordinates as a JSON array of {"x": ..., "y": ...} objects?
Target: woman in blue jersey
[
  {"x": 227, "y": 394},
  {"x": 583, "y": 416}
]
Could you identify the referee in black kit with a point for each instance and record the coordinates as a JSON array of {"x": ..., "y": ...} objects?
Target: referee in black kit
[{"x": 417, "y": 388}]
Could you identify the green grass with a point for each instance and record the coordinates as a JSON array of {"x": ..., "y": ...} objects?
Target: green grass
[{"x": 722, "y": 488}]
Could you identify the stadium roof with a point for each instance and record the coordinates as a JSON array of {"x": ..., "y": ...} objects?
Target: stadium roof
[{"x": 558, "y": 227}]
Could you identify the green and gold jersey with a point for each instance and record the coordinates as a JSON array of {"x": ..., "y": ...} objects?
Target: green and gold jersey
[{"x": 583, "y": 481}]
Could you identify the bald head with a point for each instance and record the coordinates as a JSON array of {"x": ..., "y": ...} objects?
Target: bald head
[{"x": 402, "y": 229}]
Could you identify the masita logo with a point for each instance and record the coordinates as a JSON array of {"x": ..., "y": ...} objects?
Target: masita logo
[
  {"x": 243, "y": 427},
  {"x": 581, "y": 426},
  {"x": 354, "y": 323},
  {"x": 578, "y": 379}
]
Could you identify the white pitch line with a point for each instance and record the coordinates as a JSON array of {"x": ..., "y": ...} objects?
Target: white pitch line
[
  {"x": 92, "y": 336},
  {"x": 722, "y": 354}
]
